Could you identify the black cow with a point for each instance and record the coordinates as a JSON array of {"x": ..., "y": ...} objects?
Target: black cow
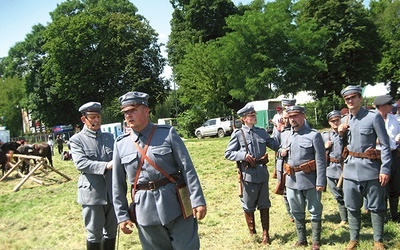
[
  {"x": 3, "y": 162},
  {"x": 10, "y": 146},
  {"x": 38, "y": 149}
]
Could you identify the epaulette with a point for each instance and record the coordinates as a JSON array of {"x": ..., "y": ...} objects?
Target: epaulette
[
  {"x": 236, "y": 130},
  {"x": 164, "y": 126},
  {"x": 324, "y": 132},
  {"x": 372, "y": 111},
  {"x": 121, "y": 136}
]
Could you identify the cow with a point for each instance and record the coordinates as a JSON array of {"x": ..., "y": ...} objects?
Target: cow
[
  {"x": 37, "y": 149},
  {"x": 10, "y": 146},
  {"x": 3, "y": 162}
]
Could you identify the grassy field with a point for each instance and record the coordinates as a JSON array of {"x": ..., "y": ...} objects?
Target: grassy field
[{"x": 48, "y": 217}]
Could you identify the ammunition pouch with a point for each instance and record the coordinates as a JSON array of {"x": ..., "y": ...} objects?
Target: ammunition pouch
[
  {"x": 371, "y": 153},
  {"x": 306, "y": 167}
]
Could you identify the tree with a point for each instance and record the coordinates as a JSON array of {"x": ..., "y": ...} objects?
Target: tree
[
  {"x": 12, "y": 99},
  {"x": 195, "y": 21},
  {"x": 350, "y": 50},
  {"x": 387, "y": 19},
  {"x": 93, "y": 50}
]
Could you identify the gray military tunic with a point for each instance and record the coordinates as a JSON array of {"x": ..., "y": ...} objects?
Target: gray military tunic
[
  {"x": 91, "y": 151},
  {"x": 334, "y": 169},
  {"x": 257, "y": 140},
  {"x": 305, "y": 145},
  {"x": 364, "y": 129},
  {"x": 156, "y": 209}
]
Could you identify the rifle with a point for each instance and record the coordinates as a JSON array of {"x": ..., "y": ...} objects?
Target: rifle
[
  {"x": 280, "y": 187},
  {"x": 240, "y": 178},
  {"x": 345, "y": 152}
]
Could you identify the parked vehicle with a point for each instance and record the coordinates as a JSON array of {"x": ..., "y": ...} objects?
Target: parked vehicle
[
  {"x": 265, "y": 111},
  {"x": 219, "y": 126}
]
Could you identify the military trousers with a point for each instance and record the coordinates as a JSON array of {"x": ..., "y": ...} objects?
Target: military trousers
[
  {"x": 100, "y": 222},
  {"x": 178, "y": 234},
  {"x": 255, "y": 195},
  {"x": 300, "y": 199}
]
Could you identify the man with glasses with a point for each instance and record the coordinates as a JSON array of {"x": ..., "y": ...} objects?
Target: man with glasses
[
  {"x": 334, "y": 147},
  {"x": 92, "y": 152},
  {"x": 365, "y": 172},
  {"x": 247, "y": 147}
]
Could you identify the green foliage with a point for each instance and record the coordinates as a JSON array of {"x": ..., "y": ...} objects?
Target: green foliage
[
  {"x": 387, "y": 19},
  {"x": 316, "y": 111},
  {"x": 92, "y": 50},
  {"x": 12, "y": 100}
]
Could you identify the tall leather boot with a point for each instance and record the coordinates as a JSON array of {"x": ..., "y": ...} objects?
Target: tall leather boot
[
  {"x": 264, "y": 213},
  {"x": 393, "y": 204},
  {"x": 301, "y": 233},
  {"x": 108, "y": 244},
  {"x": 92, "y": 245},
  {"x": 316, "y": 227},
  {"x": 250, "y": 222}
]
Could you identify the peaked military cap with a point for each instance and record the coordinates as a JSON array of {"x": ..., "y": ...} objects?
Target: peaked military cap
[
  {"x": 90, "y": 107},
  {"x": 333, "y": 113},
  {"x": 248, "y": 109},
  {"x": 383, "y": 100},
  {"x": 351, "y": 89},
  {"x": 295, "y": 109},
  {"x": 288, "y": 102},
  {"x": 131, "y": 99}
]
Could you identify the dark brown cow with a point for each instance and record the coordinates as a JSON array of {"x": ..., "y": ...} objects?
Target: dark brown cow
[
  {"x": 3, "y": 162},
  {"x": 38, "y": 149}
]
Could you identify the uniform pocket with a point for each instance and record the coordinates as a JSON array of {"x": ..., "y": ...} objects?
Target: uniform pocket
[{"x": 129, "y": 158}]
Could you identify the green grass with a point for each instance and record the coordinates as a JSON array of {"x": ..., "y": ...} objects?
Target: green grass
[{"x": 48, "y": 217}]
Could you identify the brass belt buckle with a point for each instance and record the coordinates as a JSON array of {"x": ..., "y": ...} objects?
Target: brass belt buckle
[{"x": 152, "y": 185}]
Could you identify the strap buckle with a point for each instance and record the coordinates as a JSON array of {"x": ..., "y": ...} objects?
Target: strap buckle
[{"x": 152, "y": 185}]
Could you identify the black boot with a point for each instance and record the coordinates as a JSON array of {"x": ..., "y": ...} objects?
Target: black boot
[
  {"x": 264, "y": 213},
  {"x": 108, "y": 244},
  {"x": 250, "y": 222},
  {"x": 92, "y": 245},
  {"x": 393, "y": 204}
]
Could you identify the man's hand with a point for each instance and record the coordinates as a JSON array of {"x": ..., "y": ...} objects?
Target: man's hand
[
  {"x": 126, "y": 226},
  {"x": 109, "y": 165},
  {"x": 383, "y": 179},
  {"x": 328, "y": 144},
  {"x": 320, "y": 188},
  {"x": 251, "y": 160},
  {"x": 199, "y": 212},
  {"x": 284, "y": 152},
  {"x": 342, "y": 129}
]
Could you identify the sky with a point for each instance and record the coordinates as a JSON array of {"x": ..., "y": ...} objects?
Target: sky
[{"x": 18, "y": 16}]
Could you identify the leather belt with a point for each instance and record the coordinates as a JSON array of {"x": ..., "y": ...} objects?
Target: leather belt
[
  {"x": 153, "y": 185},
  {"x": 358, "y": 154}
]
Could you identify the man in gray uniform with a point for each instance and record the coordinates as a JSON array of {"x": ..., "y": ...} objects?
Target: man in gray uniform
[
  {"x": 305, "y": 166},
  {"x": 92, "y": 154},
  {"x": 384, "y": 106},
  {"x": 248, "y": 147},
  {"x": 365, "y": 172},
  {"x": 334, "y": 147},
  {"x": 160, "y": 221}
]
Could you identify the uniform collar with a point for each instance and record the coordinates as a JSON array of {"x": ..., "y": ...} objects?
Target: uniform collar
[
  {"x": 144, "y": 134},
  {"x": 91, "y": 133}
]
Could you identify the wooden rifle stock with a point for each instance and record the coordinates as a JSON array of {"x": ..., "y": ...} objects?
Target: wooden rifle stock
[
  {"x": 240, "y": 179},
  {"x": 280, "y": 187},
  {"x": 345, "y": 152}
]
